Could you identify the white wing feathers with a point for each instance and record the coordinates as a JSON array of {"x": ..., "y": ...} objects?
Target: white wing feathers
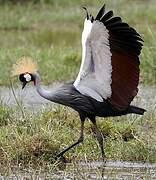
[
  {"x": 94, "y": 78},
  {"x": 86, "y": 53}
]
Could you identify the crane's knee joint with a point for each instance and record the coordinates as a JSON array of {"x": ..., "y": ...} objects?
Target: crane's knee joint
[
  {"x": 100, "y": 138},
  {"x": 80, "y": 139}
]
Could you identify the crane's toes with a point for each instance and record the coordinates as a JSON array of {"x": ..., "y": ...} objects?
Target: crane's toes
[
  {"x": 63, "y": 159},
  {"x": 103, "y": 160}
]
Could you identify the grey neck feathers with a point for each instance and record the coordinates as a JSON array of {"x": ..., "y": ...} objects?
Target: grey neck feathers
[{"x": 41, "y": 89}]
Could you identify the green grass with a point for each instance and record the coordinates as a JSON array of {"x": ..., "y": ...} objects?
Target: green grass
[
  {"x": 51, "y": 34},
  {"x": 35, "y": 139}
]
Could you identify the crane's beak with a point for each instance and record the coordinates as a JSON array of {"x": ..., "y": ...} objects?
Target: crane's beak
[{"x": 24, "y": 84}]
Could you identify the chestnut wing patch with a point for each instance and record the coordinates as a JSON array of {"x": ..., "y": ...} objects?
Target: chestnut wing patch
[{"x": 125, "y": 79}]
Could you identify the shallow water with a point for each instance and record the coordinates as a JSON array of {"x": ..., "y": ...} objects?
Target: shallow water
[
  {"x": 119, "y": 170},
  {"x": 28, "y": 97},
  {"x": 93, "y": 170}
]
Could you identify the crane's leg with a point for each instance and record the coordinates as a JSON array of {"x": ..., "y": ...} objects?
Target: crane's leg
[
  {"x": 78, "y": 141},
  {"x": 99, "y": 138}
]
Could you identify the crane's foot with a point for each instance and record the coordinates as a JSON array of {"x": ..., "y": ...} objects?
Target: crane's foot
[
  {"x": 68, "y": 148},
  {"x": 103, "y": 167},
  {"x": 61, "y": 158}
]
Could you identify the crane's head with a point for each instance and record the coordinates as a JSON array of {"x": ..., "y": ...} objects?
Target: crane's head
[{"x": 24, "y": 68}]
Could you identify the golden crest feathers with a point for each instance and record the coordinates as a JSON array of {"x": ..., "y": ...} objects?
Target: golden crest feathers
[{"x": 23, "y": 65}]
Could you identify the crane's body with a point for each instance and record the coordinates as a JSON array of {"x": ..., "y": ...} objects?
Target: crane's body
[
  {"x": 109, "y": 74},
  {"x": 66, "y": 94}
]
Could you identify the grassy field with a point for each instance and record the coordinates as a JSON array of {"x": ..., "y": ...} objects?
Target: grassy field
[
  {"x": 34, "y": 140},
  {"x": 51, "y": 34}
]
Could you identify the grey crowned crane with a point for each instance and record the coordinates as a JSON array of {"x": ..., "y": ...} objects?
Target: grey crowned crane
[{"x": 108, "y": 77}]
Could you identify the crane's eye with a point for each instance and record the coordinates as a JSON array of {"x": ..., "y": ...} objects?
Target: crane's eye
[{"x": 27, "y": 77}]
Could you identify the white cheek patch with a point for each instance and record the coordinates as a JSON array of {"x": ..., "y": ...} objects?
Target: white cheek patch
[{"x": 27, "y": 77}]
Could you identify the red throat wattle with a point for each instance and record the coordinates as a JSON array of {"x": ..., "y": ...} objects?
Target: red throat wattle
[{"x": 34, "y": 83}]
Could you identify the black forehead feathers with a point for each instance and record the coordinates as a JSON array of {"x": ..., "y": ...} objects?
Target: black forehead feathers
[{"x": 22, "y": 78}]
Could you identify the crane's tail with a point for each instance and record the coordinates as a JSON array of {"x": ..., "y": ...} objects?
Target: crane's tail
[{"x": 136, "y": 110}]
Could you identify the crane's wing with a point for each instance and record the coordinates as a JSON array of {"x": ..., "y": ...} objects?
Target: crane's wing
[{"x": 110, "y": 62}]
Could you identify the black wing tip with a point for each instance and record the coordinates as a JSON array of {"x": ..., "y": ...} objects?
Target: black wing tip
[
  {"x": 101, "y": 12},
  {"x": 107, "y": 16},
  {"x": 116, "y": 25}
]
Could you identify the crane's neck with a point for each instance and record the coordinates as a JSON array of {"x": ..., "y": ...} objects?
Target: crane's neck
[
  {"x": 41, "y": 89},
  {"x": 56, "y": 94}
]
